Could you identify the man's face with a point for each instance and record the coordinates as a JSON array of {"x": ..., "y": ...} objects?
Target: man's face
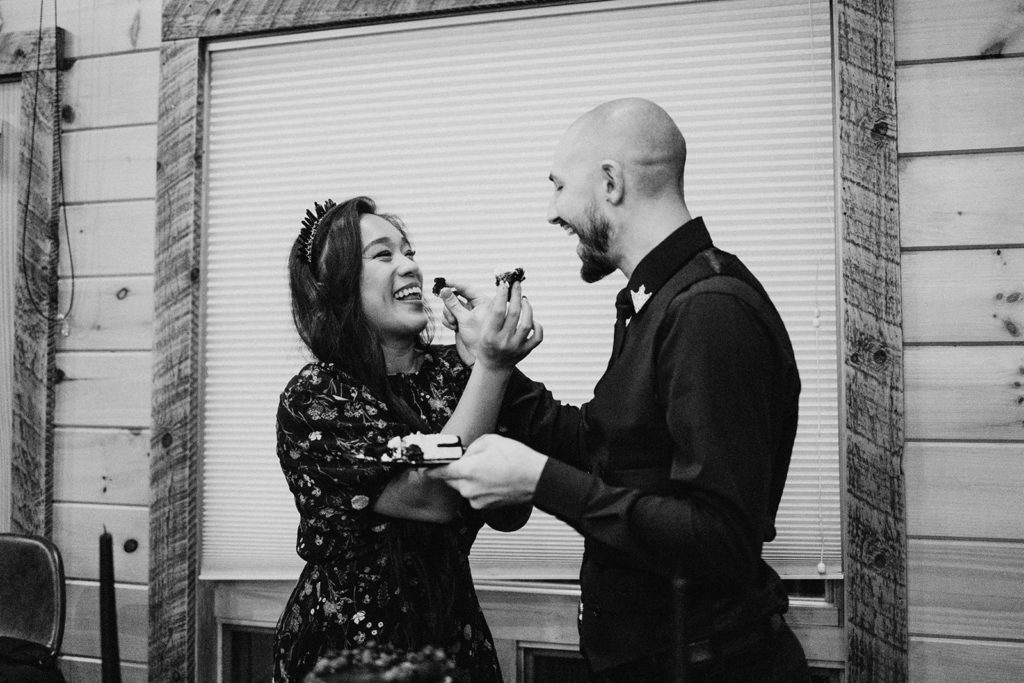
[{"x": 575, "y": 206}]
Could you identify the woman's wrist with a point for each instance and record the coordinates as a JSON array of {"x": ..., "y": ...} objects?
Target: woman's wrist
[{"x": 495, "y": 368}]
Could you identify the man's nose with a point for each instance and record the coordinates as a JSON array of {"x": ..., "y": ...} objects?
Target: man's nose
[{"x": 552, "y": 212}]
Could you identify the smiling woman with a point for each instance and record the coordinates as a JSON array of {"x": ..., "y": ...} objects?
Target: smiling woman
[
  {"x": 391, "y": 286},
  {"x": 386, "y": 548}
]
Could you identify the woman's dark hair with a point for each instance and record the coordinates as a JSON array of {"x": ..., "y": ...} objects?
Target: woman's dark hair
[{"x": 324, "y": 275}]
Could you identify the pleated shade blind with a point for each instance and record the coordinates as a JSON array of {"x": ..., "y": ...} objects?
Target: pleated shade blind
[{"x": 451, "y": 124}]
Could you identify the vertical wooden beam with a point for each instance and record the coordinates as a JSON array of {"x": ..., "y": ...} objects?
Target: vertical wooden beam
[
  {"x": 875, "y": 566},
  {"x": 174, "y": 481},
  {"x": 34, "y": 58}
]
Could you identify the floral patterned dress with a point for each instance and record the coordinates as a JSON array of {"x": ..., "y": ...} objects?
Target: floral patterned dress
[{"x": 369, "y": 577}]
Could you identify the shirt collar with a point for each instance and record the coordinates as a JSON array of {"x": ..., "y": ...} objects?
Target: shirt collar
[{"x": 662, "y": 262}]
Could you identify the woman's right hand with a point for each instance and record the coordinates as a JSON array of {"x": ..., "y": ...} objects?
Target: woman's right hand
[{"x": 498, "y": 332}]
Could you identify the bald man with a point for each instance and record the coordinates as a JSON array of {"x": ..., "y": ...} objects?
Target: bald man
[{"x": 674, "y": 471}]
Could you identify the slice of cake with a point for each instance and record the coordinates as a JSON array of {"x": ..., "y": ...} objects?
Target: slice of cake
[{"x": 423, "y": 448}]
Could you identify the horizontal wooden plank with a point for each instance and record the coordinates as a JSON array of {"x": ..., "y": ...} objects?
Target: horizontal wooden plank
[
  {"x": 108, "y": 314},
  {"x": 945, "y": 659},
  {"x": 945, "y": 29},
  {"x": 966, "y": 393},
  {"x": 90, "y": 670},
  {"x": 110, "y": 164},
  {"x": 81, "y": 629},
  {"x": 531, "y": 616},
  {"x": 109, "y": 389},
  {"x": 961, "y": 199},
  {"x": 969, "y": 589},
  {"x": 22, "y": 51},
  {"x": 101, "y": 466},
  {"x": 92, "y": 26},
  {"x": 965, "y": 489},
  {"x": 960, "y": 105},
  {"x": 76, "y": 531},
  {"x": 824, "y": 647},
  {"x": 980, "y": 293},
  {"x": 205, "y": 18},
  {"x": 250, "y": 603},
  {"x": 114, "y": 238},
  {"x": 116, "y": 90}
]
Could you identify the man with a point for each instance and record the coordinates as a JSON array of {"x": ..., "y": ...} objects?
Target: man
[{"x": 674, "y": 471}]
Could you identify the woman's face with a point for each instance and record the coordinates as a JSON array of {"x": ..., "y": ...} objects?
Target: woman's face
[{"x": 391, "y": 285}]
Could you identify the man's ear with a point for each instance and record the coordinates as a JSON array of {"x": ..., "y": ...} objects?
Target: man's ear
[{"x": 614, "y": 181}]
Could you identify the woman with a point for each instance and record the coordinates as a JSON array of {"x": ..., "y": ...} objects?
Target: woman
[{"x": 386, "y": 548}]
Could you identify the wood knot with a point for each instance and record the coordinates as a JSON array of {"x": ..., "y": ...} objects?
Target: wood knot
[
  {"x": 166, "y": 440},
  {"x": 880, "y": 130},
  {"x": 995, "y": 49}
]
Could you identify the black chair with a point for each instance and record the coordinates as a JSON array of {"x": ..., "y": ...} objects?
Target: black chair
[{"x": 32, "y": 605}]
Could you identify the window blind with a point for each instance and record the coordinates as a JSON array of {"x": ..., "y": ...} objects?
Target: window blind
[{"x": 451, "y": 124}]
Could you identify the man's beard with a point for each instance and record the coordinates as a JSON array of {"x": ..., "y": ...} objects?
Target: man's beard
[{"x": 594, "y": 237}]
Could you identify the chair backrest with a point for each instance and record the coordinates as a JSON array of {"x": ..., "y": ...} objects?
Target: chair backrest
[{"x": 32, "y": 601}]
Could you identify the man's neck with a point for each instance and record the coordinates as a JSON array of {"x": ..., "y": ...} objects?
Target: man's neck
[{"x": 644, "y": 232}]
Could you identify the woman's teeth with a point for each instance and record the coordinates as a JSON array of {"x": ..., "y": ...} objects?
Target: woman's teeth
[{"x": 409, "y": 292}]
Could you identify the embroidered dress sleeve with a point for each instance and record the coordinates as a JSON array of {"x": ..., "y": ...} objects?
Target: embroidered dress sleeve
[{"x": 323, "y": 425}]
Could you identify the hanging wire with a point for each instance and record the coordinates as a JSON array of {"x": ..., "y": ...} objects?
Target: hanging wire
[
  {"x": 58, "y": 179},
  {"x": 816, "y": 323}
]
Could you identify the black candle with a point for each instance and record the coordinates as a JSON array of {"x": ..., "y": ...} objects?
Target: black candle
[{"x": 111, "y": 661}]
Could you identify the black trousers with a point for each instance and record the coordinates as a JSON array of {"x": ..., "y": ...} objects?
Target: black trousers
[{"x": 777, "y": 657}]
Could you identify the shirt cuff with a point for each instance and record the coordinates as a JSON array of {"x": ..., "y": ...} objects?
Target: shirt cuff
[{"x": 562, "y": 491}]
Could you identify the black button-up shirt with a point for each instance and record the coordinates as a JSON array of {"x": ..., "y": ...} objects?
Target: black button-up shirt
[{"x": 677, "y": 464}]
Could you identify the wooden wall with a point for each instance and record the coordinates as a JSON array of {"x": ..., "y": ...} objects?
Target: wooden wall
[
  {"x": 102, "y": 409},
  {"x": 960, "y": 98},
  {"x": 960, "y": 94}
]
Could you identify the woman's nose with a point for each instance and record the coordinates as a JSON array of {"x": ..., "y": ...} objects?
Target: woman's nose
[{"x": 408, "y": 265}]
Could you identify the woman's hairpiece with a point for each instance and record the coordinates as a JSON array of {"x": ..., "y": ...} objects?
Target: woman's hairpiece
[{"x": 310, "y": 224}]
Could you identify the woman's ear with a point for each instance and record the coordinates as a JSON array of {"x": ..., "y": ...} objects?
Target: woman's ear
[{"x": 612, "y": 177}]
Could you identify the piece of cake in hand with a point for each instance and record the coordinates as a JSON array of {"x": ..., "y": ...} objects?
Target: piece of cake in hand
[
  {"x": 510, "y": 276},
  {"x": 424, "y": 448},
  {"x": 439, "y": 284}
]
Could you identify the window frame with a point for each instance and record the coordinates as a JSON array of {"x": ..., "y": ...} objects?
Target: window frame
[
  {"x": 871, "y": 343},
  {"x": 33, "y": 59}
]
